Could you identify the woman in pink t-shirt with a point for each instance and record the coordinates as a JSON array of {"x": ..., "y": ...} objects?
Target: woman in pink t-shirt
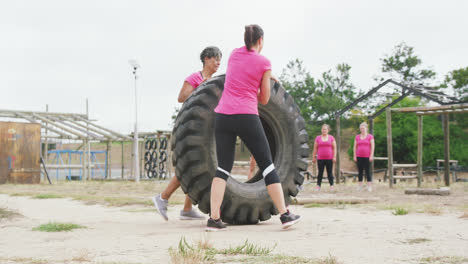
[
  {"x": 325, "y": 154},
  {"x": 237, "y": 115},
  {"x": 364, "y": 154},
  {"x": 210, "y": 57}
]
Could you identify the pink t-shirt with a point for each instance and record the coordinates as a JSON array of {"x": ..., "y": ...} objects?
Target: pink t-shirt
[
  {"x": 363, "y": 146},
  {"x": 244, "y": 74},
  {"x": 324, "y": 148},
  {"x": 194, "y": 79}
]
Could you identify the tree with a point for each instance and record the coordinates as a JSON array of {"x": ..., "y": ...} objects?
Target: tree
[
  {"x": 405, "y": 67},
  {"x": 458, "y": 81},
  {"x": 318, "y": 99}
]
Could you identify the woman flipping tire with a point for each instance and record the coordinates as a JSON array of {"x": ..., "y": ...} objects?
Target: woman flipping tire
[{"x": 194, "y": 156}]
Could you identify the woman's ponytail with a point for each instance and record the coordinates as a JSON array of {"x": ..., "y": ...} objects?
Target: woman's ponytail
[{"x": 251, "y": 35}]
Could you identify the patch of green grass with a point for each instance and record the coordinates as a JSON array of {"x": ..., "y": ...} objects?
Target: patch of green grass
[
  {"x": 277, "y": 259},
  {"x": 340, "y": 205},
  {"x": 186, "y": 253},
  {"x": 394, "y": 206},
  {"x": 247, "y": 248},
  {"x": 400, "y": 211},
  {"x": 444, "y": 260},
  {"x": 47, "y": 196},
  {"x": 203, "y": 252},
  {"x": 7, "y": 214},
  {"x": 416, "y": 241},
  {"x": 57, "y": 227},
  {"x": 313, "y": 205}
]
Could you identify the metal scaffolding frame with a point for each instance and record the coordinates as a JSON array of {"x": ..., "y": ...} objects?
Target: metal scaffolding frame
[{"x": 69, "y": 126}]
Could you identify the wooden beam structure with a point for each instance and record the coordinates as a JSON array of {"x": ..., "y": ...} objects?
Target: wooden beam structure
[
  {"x": 420, "y": 150},
  {"x": 338, "y": 147},
  {"x": 449, "y": 103},
  {"x": 434, "y": 110},
  {"x": 389, "y": 146},
  {"x": 446, "y": 149}
]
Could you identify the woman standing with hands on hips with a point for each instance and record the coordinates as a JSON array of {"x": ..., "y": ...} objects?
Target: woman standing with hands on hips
[
  {"x": 325, "y": 155},
  {"x": 237, "y": 115},
  {"x": 364, "y": 154}
]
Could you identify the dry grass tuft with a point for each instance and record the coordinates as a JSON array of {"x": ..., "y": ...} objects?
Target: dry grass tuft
[
  {"x": 416, "y": 241},
  {"x": 464, "y": 216},
  {"x": 8, "y": 214},
  {"x": 108, "y": 193},
  {"x": 444, "y": 260},
  {"x": 82, "y": 256}
]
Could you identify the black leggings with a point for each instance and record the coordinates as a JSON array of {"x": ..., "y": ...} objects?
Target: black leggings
[
  {"x": 322, "y": 163},
  {"x": 250, "y": 130},
  {"x": 364, "y": 164}
]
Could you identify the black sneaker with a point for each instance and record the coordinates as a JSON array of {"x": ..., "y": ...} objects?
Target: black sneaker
[
  {"x": 288, "y": 219},
  {"x": 215, "y": 225}
]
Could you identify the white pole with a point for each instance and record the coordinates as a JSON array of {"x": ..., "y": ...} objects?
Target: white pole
[{"x": 136, "y": 166}]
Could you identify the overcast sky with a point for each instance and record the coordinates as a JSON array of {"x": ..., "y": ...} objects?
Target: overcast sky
[{"x": 60, "y": 52}]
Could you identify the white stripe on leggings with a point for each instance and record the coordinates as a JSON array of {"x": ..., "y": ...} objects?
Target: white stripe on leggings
[
  {"x": 268, "y": 170},
  {"x": 223, "y": 171}
]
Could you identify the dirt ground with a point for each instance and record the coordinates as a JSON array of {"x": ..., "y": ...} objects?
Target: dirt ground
[{"x": 122, "y": 226}]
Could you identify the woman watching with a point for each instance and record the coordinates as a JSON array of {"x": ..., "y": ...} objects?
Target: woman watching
[
  {"x": 325, "y": 155},
  {"x": 364, "y": 154}
]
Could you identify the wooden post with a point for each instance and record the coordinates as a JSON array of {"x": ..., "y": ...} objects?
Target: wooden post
[
  {"x": 371, "y": 131},
  {"x": 46, "y": 144},
  {"x": 122, "y": 161},
  {"x": 446, "y": 150},
  {"x": 84, "y": 160},
  {"x": 338, "y": 145},
  {"x": 420, "y": 149},
  {"x": 389, "y": 146},
  {"x": 89, "y": 159},
  {"x": 109, "y": 160}
]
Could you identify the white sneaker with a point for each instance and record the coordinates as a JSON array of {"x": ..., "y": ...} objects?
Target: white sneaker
[
  {"x": 369, "y": 188},
  {"x": 191, "y": 215}
]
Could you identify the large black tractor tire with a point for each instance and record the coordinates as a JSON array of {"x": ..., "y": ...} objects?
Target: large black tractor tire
[{"x": 194, "y": 155}]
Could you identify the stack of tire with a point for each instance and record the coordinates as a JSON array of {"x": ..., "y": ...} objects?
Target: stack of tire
[
  {"x": 151, "y": 157},
  {"x": 162, "y": 157},
  {"x": 156, "y": 158},
  {"x": 194, "y": 155}
]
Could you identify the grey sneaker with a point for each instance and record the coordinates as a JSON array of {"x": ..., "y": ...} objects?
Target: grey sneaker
[
  {"x": 215, "y": 225},
  {"x": 190, "y": 215},
  {"x": 288, "y": 219},
  {"x": 161, "y": 206}
]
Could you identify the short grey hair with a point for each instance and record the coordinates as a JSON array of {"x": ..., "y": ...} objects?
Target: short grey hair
[
  {"x": 210, "y": 52},
  {"x": 364, "y": 124},
  {"x": 326, "y": 125}
]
